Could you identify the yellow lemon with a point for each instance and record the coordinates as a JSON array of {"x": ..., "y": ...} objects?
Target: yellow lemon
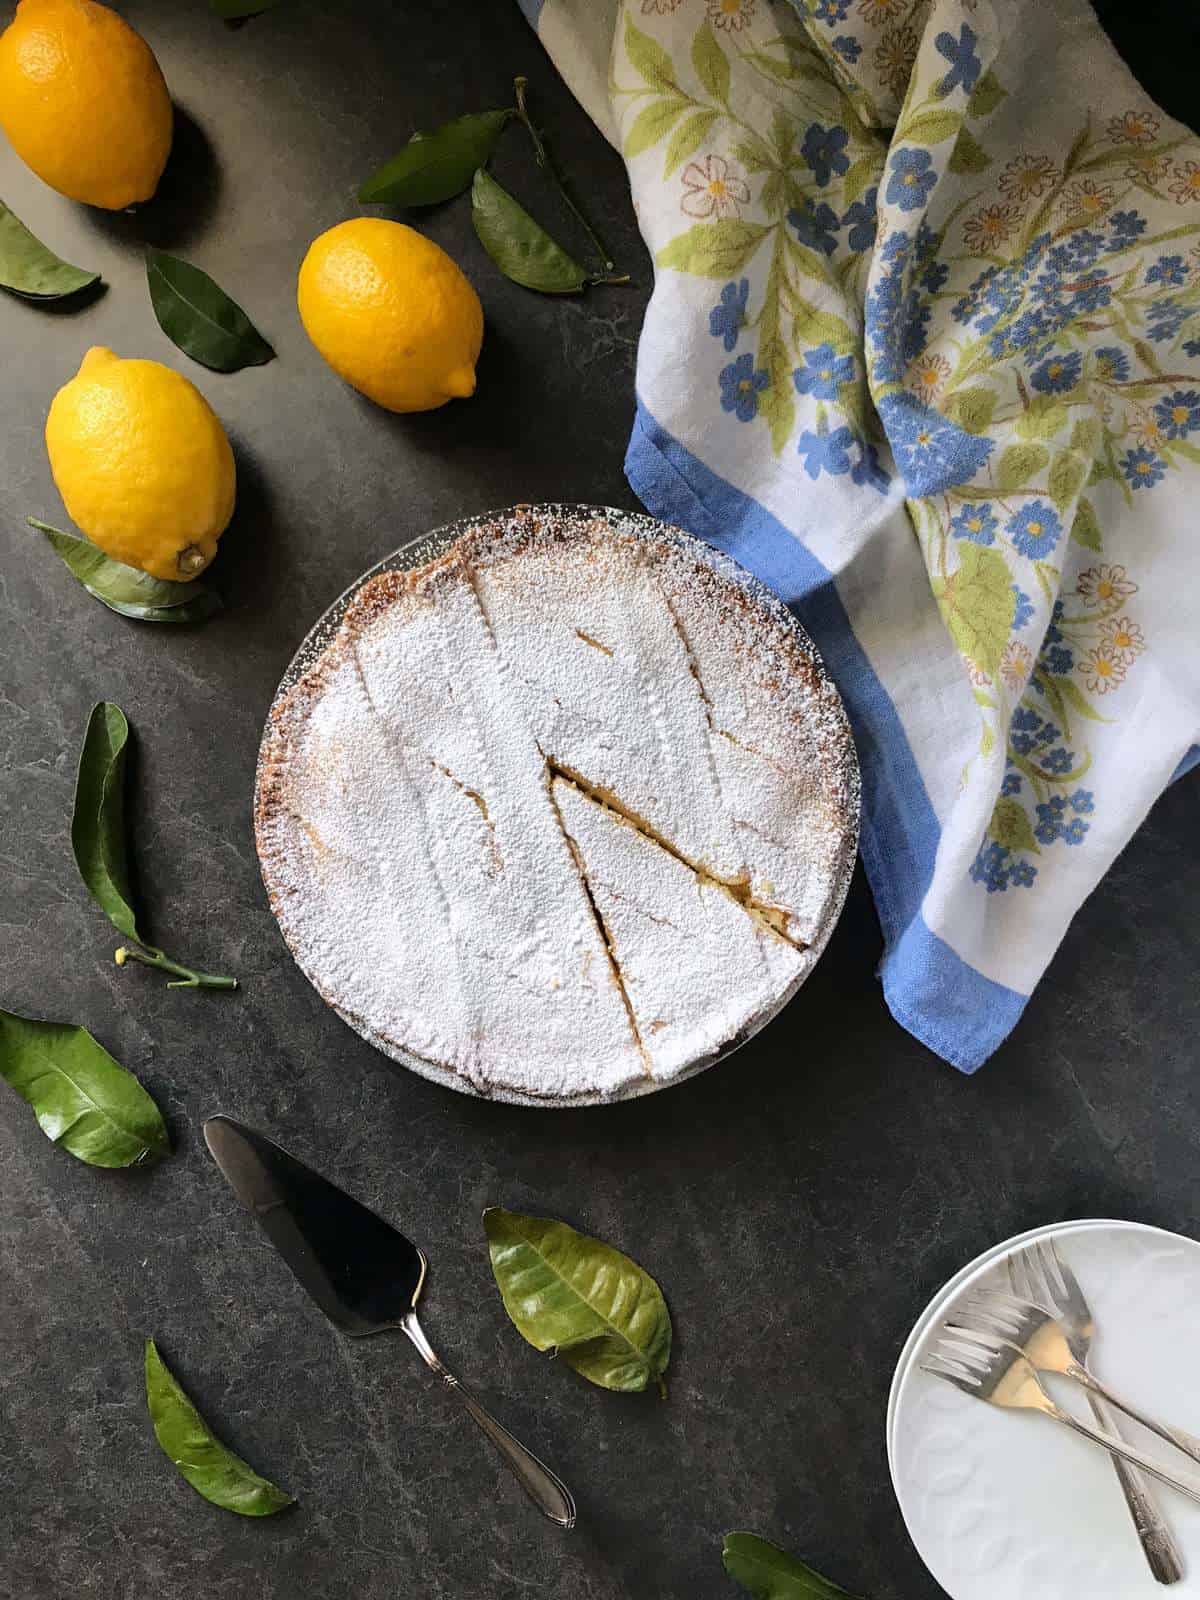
[
  {"x": 142, "y": 464},
  {"x": 391, "y": 313},
  {"x": 83, "y": 102}
]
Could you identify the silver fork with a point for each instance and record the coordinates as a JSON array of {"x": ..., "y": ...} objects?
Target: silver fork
[
  {"x": 1043, "y": 1339},
  {"x": 990, "y": 1368},
  {"x": 1040, "y": 1274}
]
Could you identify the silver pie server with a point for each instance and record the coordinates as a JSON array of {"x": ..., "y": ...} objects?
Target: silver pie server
[{"x": 364, "y": 1274}]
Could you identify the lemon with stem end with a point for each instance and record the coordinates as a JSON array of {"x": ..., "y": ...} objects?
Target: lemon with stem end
[
  {"x": 391, "y": 313},
  {"x": 142, "y": 464}
]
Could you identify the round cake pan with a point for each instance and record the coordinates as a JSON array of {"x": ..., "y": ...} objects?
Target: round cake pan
[{"x": 418, "y": 552}]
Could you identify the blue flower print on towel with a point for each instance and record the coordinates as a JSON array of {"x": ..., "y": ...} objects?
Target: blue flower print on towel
[
  {"x": 965, "y": 65},
  {"x": 1171, "y": 270},
  {"x": 867, "y": 468},
  {"x": 1035, "y": 529},
  {"x": 822, "y": 371},
  {"x": 975, "y": 522},
  {"x": 863, "y": 221},
  {"x": 910, "y": 182},
  {"x": 1057, "y": 374},
  {"x": 831, "y": 12},
  {"x": 1112, "y": 364},
  {"x": 848, "y": 47},
  {"x": 1023, "y": 608},
  {"x": 897, "y": 317},
  {"x": 991, "y": 867},
  {"x": 824, "y": 451},
  {"x": 741, "y": 385},
  {"x": 824, "y": 149},
  {"x": 1142, "y": 467},
  {"x": 815, "y": 225},
  {"x": 1125, "y": 226},
  {"x": 1179, "y": 413},
  {"x": 727, "y": 319},
  {"x": 931, "y": 452}
]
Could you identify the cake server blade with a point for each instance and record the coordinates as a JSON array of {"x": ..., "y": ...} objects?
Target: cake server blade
[{"x": 363, "y": 1273}]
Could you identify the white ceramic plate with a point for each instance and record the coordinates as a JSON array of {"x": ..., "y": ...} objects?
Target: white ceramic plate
[{"x": 1005, "y": 1506}]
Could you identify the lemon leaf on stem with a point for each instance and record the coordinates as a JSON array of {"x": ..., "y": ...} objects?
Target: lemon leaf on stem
[
  {"x": 99, "y": 844},
  {"x": 436, "y": 166}
]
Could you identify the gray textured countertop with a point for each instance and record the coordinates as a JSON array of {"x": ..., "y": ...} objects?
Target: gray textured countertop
[{"x": 798, "y": 1208}]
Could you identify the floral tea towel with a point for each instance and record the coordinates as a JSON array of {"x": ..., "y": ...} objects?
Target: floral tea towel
[{"x": 924, "y": 354}]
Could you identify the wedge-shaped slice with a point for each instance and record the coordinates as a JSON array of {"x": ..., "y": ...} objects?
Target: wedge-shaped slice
[{"x": 697, "y": 968}]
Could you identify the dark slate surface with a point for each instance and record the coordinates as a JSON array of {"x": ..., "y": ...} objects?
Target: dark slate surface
[{"x": 798, "y": 1207}]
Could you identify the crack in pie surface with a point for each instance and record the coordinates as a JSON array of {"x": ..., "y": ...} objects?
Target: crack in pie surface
[{"x": 563, "y": 814}]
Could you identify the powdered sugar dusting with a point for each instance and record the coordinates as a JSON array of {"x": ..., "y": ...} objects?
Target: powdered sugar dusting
[{"x": 563, "y": 814}]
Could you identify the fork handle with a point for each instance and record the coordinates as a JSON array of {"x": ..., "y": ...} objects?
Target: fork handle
[
  {"x": 1176, "y": 1436},
  {"x": 1117, "y": 1447},
  {"x": 1155, "y": 1536}
]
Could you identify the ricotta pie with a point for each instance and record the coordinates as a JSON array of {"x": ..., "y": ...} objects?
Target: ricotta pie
[{"x": 563, "y": 814}]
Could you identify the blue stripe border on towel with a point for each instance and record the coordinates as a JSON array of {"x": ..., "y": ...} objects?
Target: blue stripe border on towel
[{"x": 929, "y": 989}]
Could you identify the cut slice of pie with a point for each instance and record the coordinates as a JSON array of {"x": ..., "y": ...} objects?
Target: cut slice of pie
[
  {"x": 648, "y": 899},
  {"x": 566, "y": 812}
]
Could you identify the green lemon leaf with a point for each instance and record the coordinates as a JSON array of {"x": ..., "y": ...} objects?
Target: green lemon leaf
[
  {"x": 713, "y": 249},
  {"x": 98, "y": 841},
  {"x": 126, "y": 590},
  {"x": 28, "y": 269},
  {"x": 1011, "y": 826},
  {"x": 968, "y": 154},
  {"x": 235, "y": 10},
  {"x": 711, "y": 63},
  {"x": 986, "y": 96},
  {"x": 978, "y": 605},
  {"x": 208, "y": 1466},
  {"x": 652, "y": 123},
  {"x": 436, "y": 166},
  {"x": 647, "y": 57},
  {"x": 1085, "y": 530},
  {"x": 687, "y": 139},
  {"x": 971, "y": 408},
  {"x": 580, "y": 1298},
  {"x": 83, "y": 1100},
  {"x": 931, "y": 127},
  {"x": 769, "y": 1573},
  {"x": 519, "y": 246},
  {"x": 197, "y": 315},
  {"x": 98, "y": 819},
  {"x": 1018, "y": 464}
]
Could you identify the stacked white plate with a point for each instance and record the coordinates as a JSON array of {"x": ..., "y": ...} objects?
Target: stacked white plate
[{"x": 1005, "y": 1505}]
